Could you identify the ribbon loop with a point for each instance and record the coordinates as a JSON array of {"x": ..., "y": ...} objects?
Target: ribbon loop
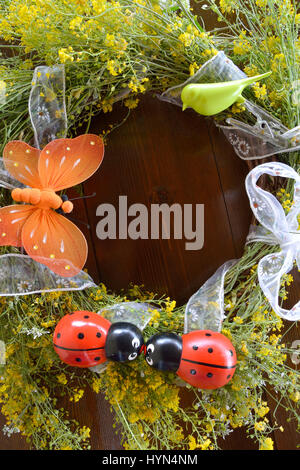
[
  {"x": 138, "y": 313},
  {"x": 21, "y": 275},
  {"x": 205, "y": 309},
  {"x": 277, "y": 226},
  {"x": 47, "y": 108}
]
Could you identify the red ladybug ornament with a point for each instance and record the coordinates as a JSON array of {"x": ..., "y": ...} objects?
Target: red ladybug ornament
[
  {"x": 79, "y": 339},
  {"x": 86, "y": 339},
  {"x": 205, "y": 359},
  {"x": 208, "y": 359}
]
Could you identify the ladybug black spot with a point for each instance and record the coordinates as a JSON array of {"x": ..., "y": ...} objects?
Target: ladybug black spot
[
  {"x": 193, "y": 372},
  {"x": 210, "y": 350},
  {"x": 78, "y": 359},
  {"x": 209, "y": 375},
  {"x": 80, "y": 336},
  {"x": 98, "y": 335},
  {"x": 97, "y": 359},
  {"x": 86, "y": 316},
  {"x": 228, "y": 376},
  {"x": 231, "y": 352},
  {"x": 207, "y": 334},
  {"x": 58, "y": 335},
  {"x": 195, "y": 348}
]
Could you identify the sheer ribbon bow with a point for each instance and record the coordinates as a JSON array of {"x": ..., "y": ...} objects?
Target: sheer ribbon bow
[{"x": 276, "y": 228}]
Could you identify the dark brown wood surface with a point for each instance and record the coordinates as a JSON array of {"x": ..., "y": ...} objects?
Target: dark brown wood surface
[{"x": 161, "y": 154}]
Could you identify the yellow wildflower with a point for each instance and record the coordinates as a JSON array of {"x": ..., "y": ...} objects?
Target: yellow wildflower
[
  {"x": 131, "y": 103},
  {"x": 260, "y": 91},
  {"x": 64, "y": 56},
  {"x": 241, "y": 46},
  {"x": 238, "y": 320},
  {"x": 205, "y": 445},
  {"x": 260, "y": 426},
  {"x": 266, "y": 444},
  {"x": 227, "y": 6},
  {"x": 61, "y": 378},
  {"x": 192, "y": 443},
  {"x": 295, "y": 396},
  {"x": 186, "y": 39}
]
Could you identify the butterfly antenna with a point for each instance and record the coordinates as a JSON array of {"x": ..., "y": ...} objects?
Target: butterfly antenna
[
  {"x": 79, "y": 222},
  {"x": 83, "y": 197}
]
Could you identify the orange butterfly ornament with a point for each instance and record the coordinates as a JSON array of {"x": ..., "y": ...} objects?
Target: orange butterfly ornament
[{"x": 47, "y": 236}]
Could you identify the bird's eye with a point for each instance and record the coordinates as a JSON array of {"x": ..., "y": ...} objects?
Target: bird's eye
[
  {"x": 149, "y": 361},
  {"x": 136, "y": 343},
  {"x": 150, "y": 348},
  {"x": 132, "y": 356}
]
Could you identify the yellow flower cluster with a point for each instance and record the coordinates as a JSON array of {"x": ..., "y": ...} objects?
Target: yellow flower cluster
[
  {"x": 286, "y": 199},
  {"x": 227, "y": 6},
  {"x": 263, "y": 42},
  {"x": 242, "y": 45},
  {"x": 141, "y": 391},
  {"x": 109, "y": 41},
  {"x": 260, "y": 91}
]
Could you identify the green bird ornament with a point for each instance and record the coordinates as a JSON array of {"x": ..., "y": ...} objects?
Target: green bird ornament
[{"x": 212, "y": 98}]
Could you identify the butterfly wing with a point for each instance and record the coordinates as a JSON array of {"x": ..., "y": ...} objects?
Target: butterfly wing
[
  {"x": 12, "y": 220},
  {"x": 53, "y": 240},
  {"x": 65, "y": 163},
  {"x": 21, "y": 161}
]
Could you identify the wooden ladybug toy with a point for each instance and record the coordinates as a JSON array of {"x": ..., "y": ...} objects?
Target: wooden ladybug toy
[
  {"x": 86, "y": 339},
  {"x": 203, "y": 358}
]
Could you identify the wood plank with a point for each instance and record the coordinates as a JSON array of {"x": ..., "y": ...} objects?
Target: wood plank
[
  {"x": 232, "y": 172},
  {"x": 153, "y": 158}
]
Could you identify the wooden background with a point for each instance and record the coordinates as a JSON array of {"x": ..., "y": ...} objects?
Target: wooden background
[{"x": 161, "y": 154}]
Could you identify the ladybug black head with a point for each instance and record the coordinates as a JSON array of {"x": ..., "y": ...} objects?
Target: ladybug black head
[
  {"x": 163, "y": 351},
  {"x": 123, "y": 342}
]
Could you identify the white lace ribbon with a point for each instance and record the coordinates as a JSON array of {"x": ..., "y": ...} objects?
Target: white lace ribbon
[
  {"x": 7, "y": 181},
  {"x": 47, "y": 108},
  {"x": 267, "y": 137},
  {"x": 21, "y": 275},
  {"x": 205, "y": 309},
  {"x": 278, "y": 228}
]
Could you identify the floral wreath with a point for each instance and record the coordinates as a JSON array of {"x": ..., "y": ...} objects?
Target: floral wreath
[{"x": 106, "y": 59}]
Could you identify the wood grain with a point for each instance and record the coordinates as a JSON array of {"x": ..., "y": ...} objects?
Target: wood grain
[{"x": 162, "y": 155}]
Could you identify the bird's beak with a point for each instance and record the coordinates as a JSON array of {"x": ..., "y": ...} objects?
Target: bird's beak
[{"x": 184, "y": 106}]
